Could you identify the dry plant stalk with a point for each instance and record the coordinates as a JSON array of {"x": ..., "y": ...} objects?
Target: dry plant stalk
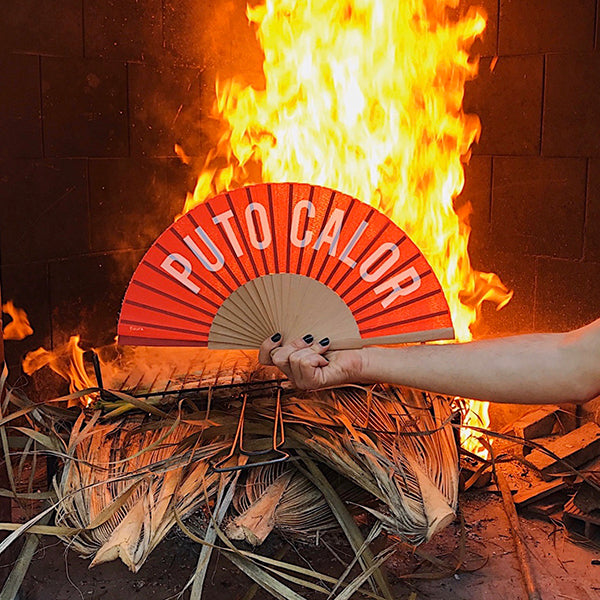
[{"x": 138, "y": 468}]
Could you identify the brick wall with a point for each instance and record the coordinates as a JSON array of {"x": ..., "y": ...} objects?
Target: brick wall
[
  {"x": 534, "y": 178},
  {"x": 96, "y": 93}
]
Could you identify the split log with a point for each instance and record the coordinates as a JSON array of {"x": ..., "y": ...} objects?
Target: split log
[
  {"x": 536, "y": 424},
  {"x": 538, "y": 491},
  {"x": 575, "y": 448},
  {"x": 551, "y": 507}
]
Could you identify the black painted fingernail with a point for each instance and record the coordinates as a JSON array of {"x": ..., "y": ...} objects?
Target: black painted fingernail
[
  {"x": 308, "y": 338},
  {"x": 324, "y": 342},
  {"x": 275, "y": 337}
]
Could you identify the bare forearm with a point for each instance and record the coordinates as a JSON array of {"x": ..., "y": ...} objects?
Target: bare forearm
[{"x": 536, "y": 368}]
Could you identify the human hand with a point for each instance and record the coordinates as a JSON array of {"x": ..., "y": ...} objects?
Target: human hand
[{"x": 303, "y": 362}]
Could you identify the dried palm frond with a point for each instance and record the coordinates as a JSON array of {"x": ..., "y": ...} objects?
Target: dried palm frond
[
  {"x": 138, "y": 470},
  {"x": 395, "y": 443},
  {"x": 125, "y": 481},
  {"x": 279, "y": 497},
  {"x": 170, "y": 371}
]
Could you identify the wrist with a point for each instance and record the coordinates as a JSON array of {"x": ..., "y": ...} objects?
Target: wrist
[{"x": 363, "y": 365}]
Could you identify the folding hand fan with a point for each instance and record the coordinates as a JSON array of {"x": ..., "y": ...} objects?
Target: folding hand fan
[{"x": 283, "y": 257}]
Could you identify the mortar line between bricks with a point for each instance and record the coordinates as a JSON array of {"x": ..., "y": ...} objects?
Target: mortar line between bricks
[
  {"x": 498, "y": 29},
  {"x": 543, "y": 100},
  {"x": 43, "y": 141},
  {"x": 491, "y": 197},
  {"x": 83, "y": 29},
  {"x": 128, "y": 108},
  {"x": 92, "y": 254},
  {"x": 596, "y": 25},
  {"x": 535, "y": 292},
  {"x": 49, "y": 299},
  {"x": 163, "y": 42},
  {"x": 89, "y": 202},
  {"x": 585, "y": 209}
]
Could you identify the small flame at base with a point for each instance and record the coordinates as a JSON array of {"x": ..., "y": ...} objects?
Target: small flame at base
[
  {"x": 66, "y": 361},
  {"x": 19, "y": 328}
]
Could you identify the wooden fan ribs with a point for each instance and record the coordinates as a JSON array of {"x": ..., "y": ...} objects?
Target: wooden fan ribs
[{"x": 248, "y": 240}]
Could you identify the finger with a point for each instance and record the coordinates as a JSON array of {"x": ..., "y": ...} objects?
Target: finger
[
  {"x": 270, "y": 344},
  {"x": 280, "y": 357},
  {"x": 303, "y": 365},
  {"x": 311, "y": 373},
  {"x": 321, "y": 346},
  {"x": 306, "y": 355}
]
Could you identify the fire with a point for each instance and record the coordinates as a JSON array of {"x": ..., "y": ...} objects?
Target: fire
[
  {"x": 67, "y": 361},
  {"x": 18, "y": 328},
  {"x": 365, "y": 96}
]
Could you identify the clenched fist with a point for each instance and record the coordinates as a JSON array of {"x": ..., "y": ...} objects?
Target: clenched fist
[{"x": 304, "y": 362}]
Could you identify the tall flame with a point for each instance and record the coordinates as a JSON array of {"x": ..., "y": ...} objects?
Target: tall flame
[{"x": 364, "y": 96}]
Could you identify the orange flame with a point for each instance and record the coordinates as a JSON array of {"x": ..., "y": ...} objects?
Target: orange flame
[
  {"x": 365, "y": 96},
  {"x": 67, "y": 361},
  {"x": 18, "y": 328}
]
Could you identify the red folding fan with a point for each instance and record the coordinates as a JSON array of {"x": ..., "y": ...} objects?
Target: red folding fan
[{"x": 283, "y": 257}]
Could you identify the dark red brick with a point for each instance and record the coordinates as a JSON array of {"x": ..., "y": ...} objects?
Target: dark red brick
[
  {"x": 42, "y": 27},
  {"x": 44, "y": 209},
  {"x": 567, "y": 294},
  {"x": 508, "y": 100},
  {"x": 165, "y": 110},
  {"x": 538, "y": 205},
  {"x": 20, "y": 119},
  {"x": 84, "y": 107},
  {"x": 185, "y": 25},
  {"x": 572, "y": 105},
  {"x": 123, "y": 29},
  {"x": 86, "y": 294},
  {"x": 517, "y": 273},
  {"x": 134, "y": 200},
  {"x": 27, "y": 287},
  {"x": 592, "y": 231},
  {"x": 538, "y": 26}
]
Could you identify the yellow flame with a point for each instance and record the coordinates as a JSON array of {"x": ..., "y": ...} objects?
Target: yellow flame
[
  {"x": 365, "y": 96},
  {"x": 67, "y": 361},
  {"x": 18, "y": 328}
]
